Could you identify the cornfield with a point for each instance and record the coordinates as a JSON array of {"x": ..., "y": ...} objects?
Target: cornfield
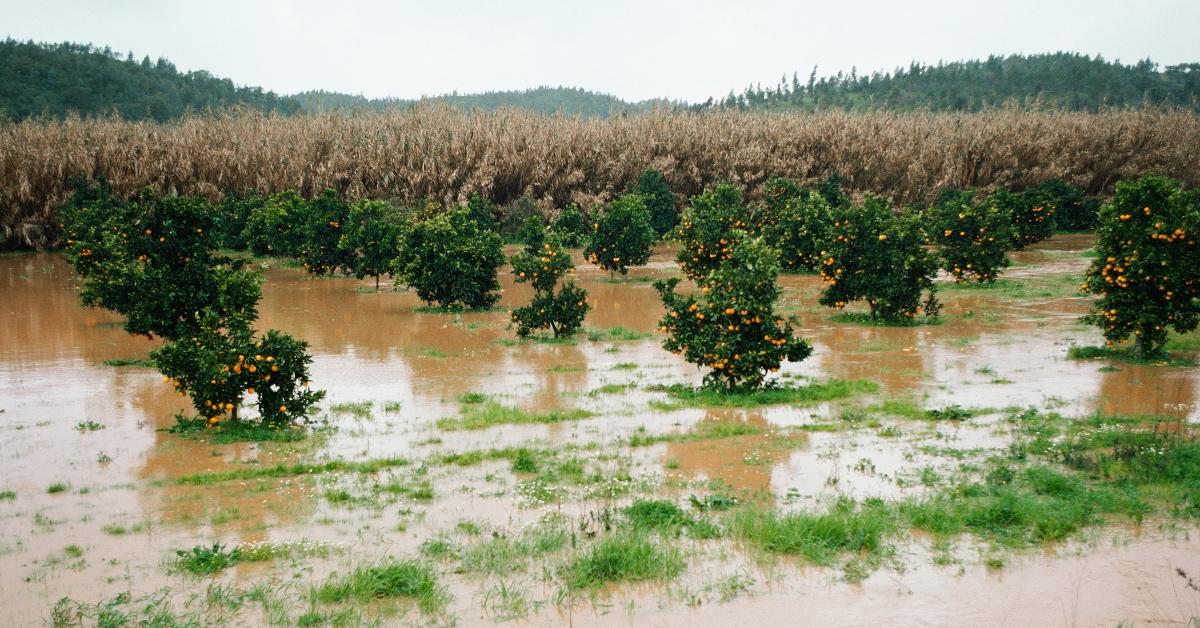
[{"x": 448, "y": 155}]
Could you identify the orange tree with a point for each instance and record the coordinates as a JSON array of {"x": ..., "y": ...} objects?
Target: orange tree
[
  {"x": 972, "y": 238},
  {"x": 323, "y": 222},
  {"x": 659, "y": 201},
  {"x": 1147, "y": 273},
  {"x": 277, "y": 226},
  {"x": 450, "y": 260},
  {"x": 371, "y": 238},
  {"x": 794, "y": 221},
  {"x": 152, "y": 261},
  {"x": 872, "y": 254},
  {"x": 557, "y": 307},
  {"x": 1072, "y": 210},
  {"x": 621, "y": 236},
  {"x": 731, "y": 326},
  {"x": 1031, "y": 214},
  {"x": 709, "y": 228}
]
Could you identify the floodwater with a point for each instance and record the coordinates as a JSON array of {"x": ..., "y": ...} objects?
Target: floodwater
[{"x": 994, "y": 351}]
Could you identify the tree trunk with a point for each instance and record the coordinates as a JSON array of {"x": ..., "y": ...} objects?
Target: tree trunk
[
  {"x": 1141, "y": 349},
  {"x": 376, "y": 282},
  {"x": 872, "y": 306}
]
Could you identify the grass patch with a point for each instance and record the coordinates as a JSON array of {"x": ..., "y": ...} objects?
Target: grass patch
[
  {"x": 411, "y": 579},
  {"x": 138, "y": 362},
  {"x": 203, "y": 561},
  {"x": 478, "y": 415},
  {"x": 235, "y": 431},
  {"x": 623, "y": 556},
  {"x": 613, "y": 334},
  {"x": 846, "y": 529},
  {"x": 864, "y": 319},
  {"x": 665, "y": 516},
  {"x": 359, "y": 409},
  {"x": 506, "y": 554},
  {"x": 57, "y": 487},
  {"x": 88, "y": 426},
  {"x": 1056, "y": 286},
  {"x": 7, "y": 495},
  {"x": 1125, "y": 354},
  {"x": 290, "y": 470},
  {"x": 816, "y": 392}
]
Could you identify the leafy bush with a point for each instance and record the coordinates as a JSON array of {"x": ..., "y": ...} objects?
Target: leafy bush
[
  {"x": 621, "y": 236},
  {"x": 972, "y": 239},
  {"x": 706, "y": 229},
  {"x": 571, "y": 226},
  {"x": 277, "y": 226},
  {"x": 1031, "y": 214},
  {"x": 449, "y": 260},
  {"x": 484, "y": 213},
  {"x": 152, "y": 261},
  {"x": 560, "y": 309},
  {"x": 653, "y": 189},
  {"x": 532, "y": 231},
  {"x": 872, "y": 254},
  {"x": 371, "y": 238},
  {"x": 1072, "y": 210},
  {"x": 515, "y": 216},
  {"x": 794, "y": 221},
  {"x": 320, "y": 245},
  {"x": 1147, "y": 272},
  {"x": 732, "y": 327},
  {"x": 232, "y": 216}
]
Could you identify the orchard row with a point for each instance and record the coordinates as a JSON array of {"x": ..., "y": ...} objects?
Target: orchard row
[{"x": 154, "y": 259}]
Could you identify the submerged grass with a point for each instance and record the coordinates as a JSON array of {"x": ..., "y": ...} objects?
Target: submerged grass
[
  {"x": 138, "y": 362},
  {"x": 485, "y": 413},
  {"x": 820, "y": 538},
  {"x": 391, "y": 578},
  {"x": 235, "y": 431},
  {"x": 1125, "y": 354},
  {"x": 817, "y": 392},
  {"x": 623, "y": 556},
  {"x": 289, "y": 470}
]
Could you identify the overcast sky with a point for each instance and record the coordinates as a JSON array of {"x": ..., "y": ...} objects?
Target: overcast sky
[{"x": 687, "y": 50}]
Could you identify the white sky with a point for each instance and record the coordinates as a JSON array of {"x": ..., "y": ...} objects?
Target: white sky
[{"x": 687, "y": 50}]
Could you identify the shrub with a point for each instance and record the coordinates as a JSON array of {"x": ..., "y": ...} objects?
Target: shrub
[
  {"x": 515, "y": 216},
  {"x": 1031, "y": 214},
  {"x": 484, "y": 213},
  {"x": 571, "y": 226},
  {"x": 732, "y": 327},
  {"x": 450, "y": 261},
  {"x": 972, "y": 239},
  {"x": 794, "y": 221},
  {"x": 371, "y": 238},
  {"x": 232, "y": 216},
  {"x": 321, "y": 235},
  {"x": 559, "y": 309},
  {"x": 872, "y": 254},
  {"x": 706, "y": 229},
  {"x": 152, "y": 261},
  {"x": 621, "y": 236},
  {"x": 1072, "y": 211},
  {"x": 277, "y": 226},
  {"x": 532, "y": 231},
  {"x": 831, "y": 190},
  {"x": 659, "y": 201},
  {"x": 1147, "y": 272}
]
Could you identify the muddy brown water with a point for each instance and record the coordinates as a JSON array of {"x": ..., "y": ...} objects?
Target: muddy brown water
[{"x": 993, "y": 351}]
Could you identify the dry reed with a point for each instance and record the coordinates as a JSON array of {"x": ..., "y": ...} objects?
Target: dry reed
[{"x": 447, "y": 155}]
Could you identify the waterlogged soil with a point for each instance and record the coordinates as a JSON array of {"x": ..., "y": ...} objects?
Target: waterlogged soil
[{"x": 132, "y": 494}]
